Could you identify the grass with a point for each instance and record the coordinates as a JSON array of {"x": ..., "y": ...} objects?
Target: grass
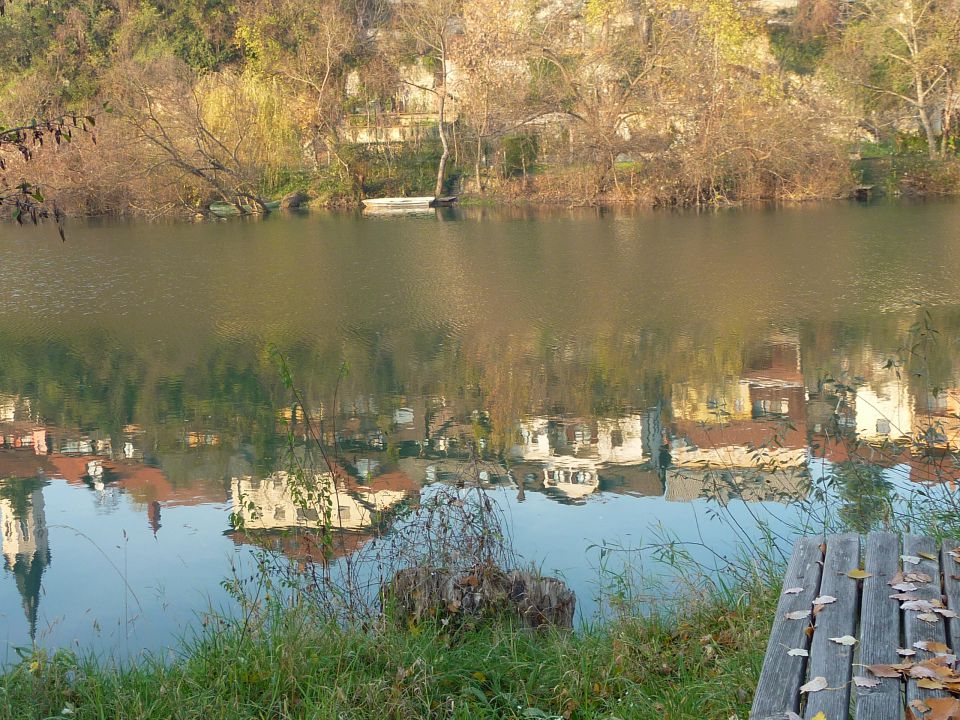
[{"x": 699, "y": 659}]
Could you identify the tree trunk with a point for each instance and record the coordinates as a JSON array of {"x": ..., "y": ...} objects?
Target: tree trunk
[
  {"x": 476, "y": 165},
  {"x": 925, "y": 120},
  {"x": 442, "y": 167},
  {"x": 928, "y": 129}
]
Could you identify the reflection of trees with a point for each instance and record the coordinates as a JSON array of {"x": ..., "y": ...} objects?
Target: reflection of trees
[
  {"x": 496, "y": 364},
  {"x": 864, "y": 492}
]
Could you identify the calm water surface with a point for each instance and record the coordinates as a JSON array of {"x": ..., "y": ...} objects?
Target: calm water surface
[{"x": 588, "y": 358}]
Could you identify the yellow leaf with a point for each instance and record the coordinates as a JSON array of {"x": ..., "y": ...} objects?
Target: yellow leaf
[
  {"x": 819, "y": 716},
  {"x": 479, "y": 676},
  {"x": 927, "y": 556},
  {"x": 858, "y": 574}
]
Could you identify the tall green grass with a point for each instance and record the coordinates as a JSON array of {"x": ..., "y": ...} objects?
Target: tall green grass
[{"x": 697, "y": 658}]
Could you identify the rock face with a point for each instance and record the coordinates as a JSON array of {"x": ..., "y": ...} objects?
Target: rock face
[
  {"x": 294, "y": 200},
  {"x": 420, "y": 593}
]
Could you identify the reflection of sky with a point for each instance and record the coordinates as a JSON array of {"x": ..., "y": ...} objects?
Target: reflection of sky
[
  {"x": 557, "y": 538},
  {"x": 96, "y": 554}
]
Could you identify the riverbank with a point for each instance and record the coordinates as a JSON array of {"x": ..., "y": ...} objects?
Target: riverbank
[{"x": 699, "y": 658}]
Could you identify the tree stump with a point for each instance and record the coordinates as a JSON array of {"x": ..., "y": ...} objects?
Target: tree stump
[{"x": 420, "y": 593}]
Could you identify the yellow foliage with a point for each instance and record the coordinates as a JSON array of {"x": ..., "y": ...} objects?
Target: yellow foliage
[{"x": 253, "y": 108}]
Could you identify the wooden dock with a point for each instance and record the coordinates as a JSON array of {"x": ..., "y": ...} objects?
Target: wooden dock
[{"x": 842, "y": 646}]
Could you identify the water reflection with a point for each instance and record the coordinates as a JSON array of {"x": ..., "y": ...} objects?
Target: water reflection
[
  {"x": 26, "y": 550},
  {"x": 611, "y": 372}
]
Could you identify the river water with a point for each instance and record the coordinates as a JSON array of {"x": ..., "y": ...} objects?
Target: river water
[{"x": 602, "y": 366}]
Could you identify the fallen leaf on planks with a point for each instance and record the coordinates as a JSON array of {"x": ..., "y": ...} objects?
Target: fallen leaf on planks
[
  {"x": 845, "y": 640},
  {"x": 815, "y": 685},
  {"x": 942, "y": 708},
  {"x": 861, "y": 681},
  {"x": 931, "y": 646},
  {"x": 798, "y": 652},
  {"x": 859, "y": 574}
]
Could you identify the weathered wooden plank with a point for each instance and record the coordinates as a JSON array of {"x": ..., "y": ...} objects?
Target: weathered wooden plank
[
  {"x": 951, "y": 587},
  {"x": 879, "y": 629},
  {"x": 915, "y": 629},
  {"x": 778, "y": 690},
  {"x": 828, "y": 659}
]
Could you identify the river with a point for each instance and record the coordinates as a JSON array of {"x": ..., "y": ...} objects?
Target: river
[{"x": 599, "y": 363}]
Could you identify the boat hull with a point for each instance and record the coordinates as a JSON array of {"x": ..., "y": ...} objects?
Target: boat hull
[{"x": 397, "y": 203}]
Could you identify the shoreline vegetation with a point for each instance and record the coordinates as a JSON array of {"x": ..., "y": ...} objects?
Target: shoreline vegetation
[
  {"x": 698, "y": 659},
  {"x": 582, "y": 102}
]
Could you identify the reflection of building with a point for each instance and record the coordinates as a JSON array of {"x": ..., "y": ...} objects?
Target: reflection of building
[
  {"x": 275, "y": 511},
  {"x": 26, "y": 550},
  {"x": 278, "y": 502},
  {"x": 569, "y": 455},
  {"x": 884, "y": 412}
]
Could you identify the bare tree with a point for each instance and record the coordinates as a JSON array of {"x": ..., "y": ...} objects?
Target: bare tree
[
  {"x": 494, "y": 77},
  {"x": 164, "y": 106},
  {"x": 426, "y": 29},
  {"x": 906, "y": 52}
]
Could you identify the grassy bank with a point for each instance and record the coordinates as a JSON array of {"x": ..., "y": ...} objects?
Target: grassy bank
[{"x": 699, "y": 659}]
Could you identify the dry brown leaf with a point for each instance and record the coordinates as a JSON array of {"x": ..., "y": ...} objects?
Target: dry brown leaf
[
  {"x": 917, "y": 577},
  {"x": 859, "y": 574},
  {"x": 905, "y": 596},
  {"x": 910, "y": 559},
  {"x": 919, "y": 705},
  {"x": 817, "y": 609},
  {"x": 930, "y": 684},
  {"x": 808, "y": 631},
  {"x": 861, "y": 681},
  {"x": 904, "y": 587},
  {"x": 898, "y": 578},
  {"x": 797, "y": 615},
  {"x": 945, "y": 612},
  {"x": 931, "y": 646},
  {"x": 921, "y": 671},
  {"x": 824, "y": 600},
  {"x": 816, "y": 685},
  {"x": 928, "y": 617},
  {"x": 904, "y": 652},
  {"x": 943, "y": 708},
  {"x": 885, "y": 671}
]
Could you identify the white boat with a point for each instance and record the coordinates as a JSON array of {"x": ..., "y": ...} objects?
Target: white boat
[{"x": 398, "y": 203}]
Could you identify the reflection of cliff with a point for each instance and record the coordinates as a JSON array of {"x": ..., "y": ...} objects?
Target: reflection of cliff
[{"x": 26, "y": 550}]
